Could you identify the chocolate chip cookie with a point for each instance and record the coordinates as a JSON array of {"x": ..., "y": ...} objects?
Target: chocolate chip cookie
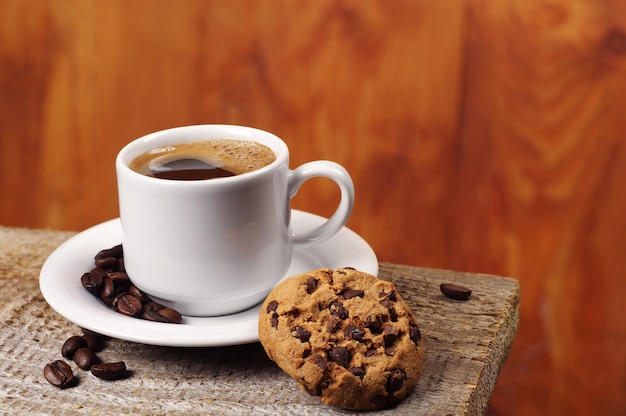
[{"x": 344, "y": 336}]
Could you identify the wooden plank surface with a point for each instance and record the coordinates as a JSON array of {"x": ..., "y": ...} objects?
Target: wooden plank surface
[
  {"x": 465, "y": 344},
  {"x": 482, "y": 135}
]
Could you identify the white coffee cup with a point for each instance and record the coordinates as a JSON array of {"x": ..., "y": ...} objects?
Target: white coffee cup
[{"x": 217, "y": 246}]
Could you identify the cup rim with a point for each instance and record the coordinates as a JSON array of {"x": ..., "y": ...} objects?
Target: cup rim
[{"x": 155, "y": 139}]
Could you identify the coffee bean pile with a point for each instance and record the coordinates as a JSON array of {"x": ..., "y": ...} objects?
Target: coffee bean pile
[
  {"x": 82, "y": 350},
  {"x": 109, "y": 282}
]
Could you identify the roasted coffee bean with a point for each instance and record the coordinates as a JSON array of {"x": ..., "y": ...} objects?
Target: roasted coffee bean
[
  {"x": 119, "y": 278},
  {"x": 172, "y": 315},
  {"x": 154, "y": 316},
  {"x": 59, "y": 374},
  {"x": 120, "y": 265},
  {"x": 454, "y": 291},
  {"x": 93, "y": 281},
  {"x": 95, "y": 342},
  {"x": 354, "y": 332},
  {"x": 311, "y": 285},
  {"x": 151, "y": 305},
  {"x": 106, "y": 263},
  {"x": 353, "y": 293},
  {"x": 301, "y": 333},
  {"x": 113, "y": 286},
  {"x": 71, "y": 345},
  {"x": 127, "y": 304},
  {"x": 108, "y": 291},
  {"x": 340, "y": 355},
  {"x": 109, "y": 371},
  {"x": 85, "y": 358},
  {"x": 115, "y": 251},
  {"x": 143, "y": 298}
]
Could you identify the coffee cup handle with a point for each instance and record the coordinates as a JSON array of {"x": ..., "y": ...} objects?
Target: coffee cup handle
[{"x": 338, "y": 174}]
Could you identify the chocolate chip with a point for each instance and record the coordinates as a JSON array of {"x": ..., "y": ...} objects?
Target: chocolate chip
[
  {"x": 353, "y": 293},
  {"x": 393, "y": 315},
  {"x": 391, "y": 350},
  {"x": 357, "y": 371},
  {"x": 379, "y": 402},
  {"x": 354, "y": 332},
  {"x": 340, "y": 355},
  {"x": 311, "y": 285},
  {"x": 454, "y": 291},
  {"x": 301, "y": 333},
  {"x": 271, "y": 307},
  {"x": 415, "y": 334},
  {"x": 333, "y": 323},
  {"x": 71, "y": 345},
  {"x": 319, "y": 361},
  {"x": 374, "y": 323},
  {"x": 59, "y": 374},
  {"x": 336, "y": 308},
  {"x": 391, "y": 334},
  {"x": 392, "y": 296},
  {"x": 395, "y": 380},
  {"x": 370, "y": 352}
]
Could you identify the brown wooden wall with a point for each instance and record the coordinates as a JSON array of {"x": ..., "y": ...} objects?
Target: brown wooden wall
[{"x": 482, "y": 135}]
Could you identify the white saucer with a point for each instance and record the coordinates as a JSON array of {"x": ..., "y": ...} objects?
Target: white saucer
[{"x": 60, "y": 285}]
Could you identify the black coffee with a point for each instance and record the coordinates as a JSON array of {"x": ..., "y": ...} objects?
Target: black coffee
[
  {"x": 203, "y": 160},
  {"x": 189, "y": 170}
]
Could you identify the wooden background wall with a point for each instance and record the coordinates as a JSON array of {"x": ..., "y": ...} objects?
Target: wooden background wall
[{"x": 482, "y": 135}]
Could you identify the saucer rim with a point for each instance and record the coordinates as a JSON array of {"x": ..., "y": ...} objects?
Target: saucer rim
[{"x": 110, "y": 323}]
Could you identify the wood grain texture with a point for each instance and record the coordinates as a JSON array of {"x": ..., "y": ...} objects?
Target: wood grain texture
[
  {"x": 466, "y": 344},
  {"x": 482, "y": 135}
]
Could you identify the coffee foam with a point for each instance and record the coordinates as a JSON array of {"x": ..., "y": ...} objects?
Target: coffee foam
[{"x": 236, "y": 156}]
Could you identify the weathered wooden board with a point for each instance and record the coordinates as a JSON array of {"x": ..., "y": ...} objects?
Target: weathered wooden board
[{"x": 466, "y": 344}]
